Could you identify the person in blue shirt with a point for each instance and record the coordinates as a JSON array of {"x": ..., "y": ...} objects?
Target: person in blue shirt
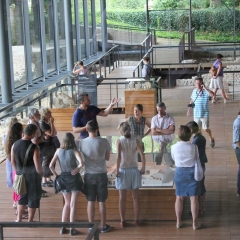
[
  {"x": 86, "y": 112},
  {"x": 200, "y": 141},
  {"x": 236, "y": 146},
  {"x": 200, "y": 104}
]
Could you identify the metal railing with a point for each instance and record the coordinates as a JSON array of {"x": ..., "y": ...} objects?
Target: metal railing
[
  {"x": 92, "y": 234},
  {"x": 114, "y": 52},
  {"x": 190, "y": 35}
]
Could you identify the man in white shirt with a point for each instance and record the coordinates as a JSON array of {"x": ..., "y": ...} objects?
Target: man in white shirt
[{"x": 162, "y": 128}]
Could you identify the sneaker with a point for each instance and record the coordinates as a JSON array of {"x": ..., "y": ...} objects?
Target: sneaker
[
  {"x": 212, "y": 143},
  {"x": 73, "y": 232},
  {"x": 90, "y": 229},
  {"x": 63, "y": 230},
  {"x": 226, "y": 101},
  {"x": 213, "y": 101},
  {"x": 105, "y": 229}
]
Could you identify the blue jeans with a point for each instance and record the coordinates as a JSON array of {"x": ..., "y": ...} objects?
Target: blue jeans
[{"x": 237, "y": 152}]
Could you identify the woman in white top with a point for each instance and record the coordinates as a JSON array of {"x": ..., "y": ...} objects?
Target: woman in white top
[
  {"x": 79, "y": 68},
  {"x": 128, "y": 175},
  {"x": 185, "y": 154}
]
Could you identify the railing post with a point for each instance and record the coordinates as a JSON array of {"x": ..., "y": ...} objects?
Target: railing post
[{"x": 1, "y": 232}]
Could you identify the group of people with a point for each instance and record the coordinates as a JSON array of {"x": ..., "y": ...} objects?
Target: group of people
[
  {"x": 40, "y": 131},
  {"x": 93, "y": 152},
  {"x": 130, "y": 150}
]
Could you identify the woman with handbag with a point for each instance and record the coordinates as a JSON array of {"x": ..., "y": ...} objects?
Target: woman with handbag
[
  {"x": 25, "y": 158},
  {"x": 70, "y": 162},
  {"x": 14, "y": 133},
  {"x": 185, "y": 155}
]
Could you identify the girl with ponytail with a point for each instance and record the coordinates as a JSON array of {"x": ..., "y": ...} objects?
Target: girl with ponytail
[{"x": 128, "y": 175}]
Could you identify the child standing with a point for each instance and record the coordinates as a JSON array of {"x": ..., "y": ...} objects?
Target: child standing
[
  {"x": 200, "y": 141},
  {"x": 128, "y": 175}
]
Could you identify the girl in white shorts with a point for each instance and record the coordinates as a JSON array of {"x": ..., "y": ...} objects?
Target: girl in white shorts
[{"x": 128, "y": 175}]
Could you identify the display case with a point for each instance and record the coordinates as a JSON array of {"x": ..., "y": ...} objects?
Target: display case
[{"x": 157, "y": 196}]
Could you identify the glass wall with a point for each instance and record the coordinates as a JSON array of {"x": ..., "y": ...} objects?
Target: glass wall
[
  {"x": 61, "y": 31},
  {"x": 82, "y": 32},
  {"x": 49, "y": 32},
  {"x": 90, "y": 26},
  {"x": 18, "y": 48},
  {"x": 35, "y": 38},
  {"x": 74, "y": 32},
  {"x": 0, "y": 83},
  {"x": 98, "y": 23}
]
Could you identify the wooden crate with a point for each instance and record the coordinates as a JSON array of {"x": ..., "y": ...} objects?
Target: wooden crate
[{"x": 145, "y": 97}]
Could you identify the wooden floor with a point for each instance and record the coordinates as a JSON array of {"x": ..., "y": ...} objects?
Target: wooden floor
[{"x": 221, "y": 219}]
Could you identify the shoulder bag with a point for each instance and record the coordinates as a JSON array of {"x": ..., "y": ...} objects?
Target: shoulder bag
[
  {"x": 198, "y": 171},
  {"x": 19, "y": 184}
]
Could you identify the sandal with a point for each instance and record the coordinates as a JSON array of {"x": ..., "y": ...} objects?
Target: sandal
[
  {"x": 24, "y": 212},
  {"x": 44, "y": 195}
]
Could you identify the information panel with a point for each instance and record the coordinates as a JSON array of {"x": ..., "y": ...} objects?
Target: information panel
[{"x": 88, "y": 84}]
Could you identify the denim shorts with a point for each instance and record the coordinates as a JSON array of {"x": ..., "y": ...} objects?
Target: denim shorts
[{"x": 185, "y": 183}]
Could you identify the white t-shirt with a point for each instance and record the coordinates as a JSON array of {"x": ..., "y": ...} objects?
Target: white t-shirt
[{"x": 184, "y": 154}]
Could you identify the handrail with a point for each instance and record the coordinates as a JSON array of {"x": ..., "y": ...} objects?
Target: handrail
[
  {"x": 92, "y": 234},
  {"x": 105, "y": 54},
  {"x": 146, "y": 38}
]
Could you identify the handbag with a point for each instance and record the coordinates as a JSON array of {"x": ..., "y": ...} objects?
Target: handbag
[
  {"x": 19, "y": 184},
  {"x": 198, "y": 171}
]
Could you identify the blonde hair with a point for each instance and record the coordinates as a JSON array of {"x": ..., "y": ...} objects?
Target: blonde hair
[
  {"x": 125, "y": 129},
  {"x": 68, "y": 141},
  {"x": 43, "y": 112},
  {"x": 10, "y": 121}
]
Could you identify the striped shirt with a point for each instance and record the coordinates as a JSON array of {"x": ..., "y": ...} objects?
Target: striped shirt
[
  {"x": 201, "y": 101},
  {"x": 236, "y": 131}
]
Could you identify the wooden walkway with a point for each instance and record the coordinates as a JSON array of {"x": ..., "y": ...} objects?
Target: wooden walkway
[{"x": 221, "y": 219}]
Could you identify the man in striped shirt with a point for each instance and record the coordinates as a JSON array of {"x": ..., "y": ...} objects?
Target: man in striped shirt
[{"x": 200, "y": 100}]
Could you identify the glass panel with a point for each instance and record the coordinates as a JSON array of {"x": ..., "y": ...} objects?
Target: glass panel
[
  {"x": 0, "y": 83},
  {"x": 82, "y": 32},
  {"x": 61, "y": 30},
  {"x": 90, "y": 29},
  {"x": 35, "y": 38},
  {"x": 74, "y": 32},
  {"x": 49, "y": 31},
  {"x": 98, "y": 23},
  {"x": 18, "y": 48}
]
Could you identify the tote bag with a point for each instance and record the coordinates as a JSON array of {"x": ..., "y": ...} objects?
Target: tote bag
[
  {"x": 198, "y": 171},
  {"x": 19, "y": 184}
]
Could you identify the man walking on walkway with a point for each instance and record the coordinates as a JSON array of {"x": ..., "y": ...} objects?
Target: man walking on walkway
[{"x": 200, "y": 104}]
